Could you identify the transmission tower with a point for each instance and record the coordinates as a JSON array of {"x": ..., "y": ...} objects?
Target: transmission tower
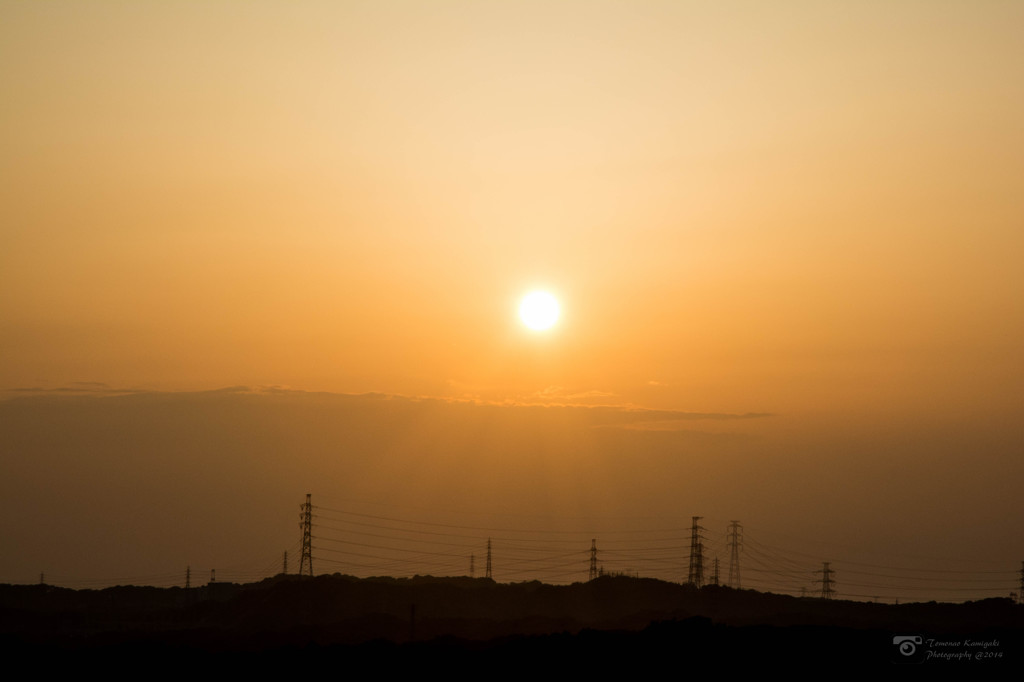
[
  {"x": 284, "y": 564},
  {"x": 827, "y": 583},
  {"x": 593, "y": 559},
  {"x": 696, "y": 576},
  {"x": 472, "y": 565},
  {"x": 714, "y": 576},
  {"x": 1020, "y": 592},
  {"x": 735, "y": 537},
  {"x": 188, "y": 577},
  {"x": 213, "y": 575},
  {"x": 306, "y": 562},
  {"x": 487, "y": 570}
]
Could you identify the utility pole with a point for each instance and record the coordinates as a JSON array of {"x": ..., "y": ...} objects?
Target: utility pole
[
  {"x": 306, "y": 562},
  {"x": 696, "y": 576},
  {"x": 188, "y": 577},
  {"x": 487, "y": 570},
  {"x": 284, "y": 564},
  {"x": 735, "y": 537},
  {"x": 593, "y": 559},
  {"x": 827, "y": 583}
]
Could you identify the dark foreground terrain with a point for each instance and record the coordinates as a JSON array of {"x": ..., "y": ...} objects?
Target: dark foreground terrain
[{"x": 380, "y": 624}]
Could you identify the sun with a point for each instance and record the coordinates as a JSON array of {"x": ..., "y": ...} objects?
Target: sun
[{"x": 539, "y": 310}]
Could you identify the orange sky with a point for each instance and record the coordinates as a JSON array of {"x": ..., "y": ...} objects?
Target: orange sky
[
  {"x": 756, "y": 208},
  {"x": 812, "y": 208}
]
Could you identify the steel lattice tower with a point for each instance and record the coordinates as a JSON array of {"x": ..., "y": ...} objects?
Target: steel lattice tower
[
  {"x": 714, "y": 575},
  {"x": 735, "y": 537},
  {"x": 1020, "y": 592},
  {"x": 593, "y": 559},
  {"x": 827, "y": 583},
  {"x": 306, "y": 562},
  {"x": 696, "y": 576},
  {"x": 487, "y": 568}
]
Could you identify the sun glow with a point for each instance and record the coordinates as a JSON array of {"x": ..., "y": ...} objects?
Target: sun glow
[{"x": 539, "y": 310}]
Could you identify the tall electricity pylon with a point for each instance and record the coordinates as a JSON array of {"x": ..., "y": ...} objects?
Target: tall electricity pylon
[
  {"x": 306, "y": 563},
  {"x": 827, "y": 583},
  {"x": 735, "y": 538},
  {"x": 696, "y": 576}
]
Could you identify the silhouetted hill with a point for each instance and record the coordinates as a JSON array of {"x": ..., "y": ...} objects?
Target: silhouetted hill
[{"x": 611, "y": 619}]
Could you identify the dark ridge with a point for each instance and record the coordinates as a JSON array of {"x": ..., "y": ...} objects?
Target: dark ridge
[{"x": 406, "y": 621}]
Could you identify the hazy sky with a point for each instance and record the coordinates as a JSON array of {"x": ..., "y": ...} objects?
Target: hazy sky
[{"x": 807, "y": 209}]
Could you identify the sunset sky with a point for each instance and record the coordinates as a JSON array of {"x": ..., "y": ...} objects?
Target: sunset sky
[{"x": 808, "y": 211}]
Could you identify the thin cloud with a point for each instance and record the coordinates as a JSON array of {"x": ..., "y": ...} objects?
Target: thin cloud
[{"x": 74, "y": 388}]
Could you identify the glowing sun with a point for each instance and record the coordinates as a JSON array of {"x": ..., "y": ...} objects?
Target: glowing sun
[{"x": 539, "y": 310}]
